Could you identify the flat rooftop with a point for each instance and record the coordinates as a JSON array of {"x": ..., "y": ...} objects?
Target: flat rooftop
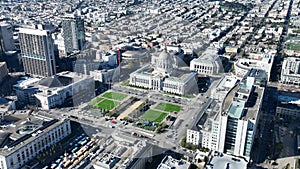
[
  {"x": 27, "y": 82},
  {"x": 121, "y": 151},
  {"x": 227, "y": 83},
  {"x": 34, "y": 31},
  {"x": 169, "y": 162},
  {"x": 290, "y": 100},
  {"x": 236, "y": 110},
  {"x": 257, "y": 73},
  {"x": 22, "y": 128},
  {"x": 249, "y": 112},
  {"x": 180, "y": 75},
  {"x": 4, "y": 103},
  {"x": 219, "y": 162}
]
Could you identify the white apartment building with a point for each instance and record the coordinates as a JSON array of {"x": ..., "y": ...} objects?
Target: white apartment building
[
  {"x": 27, "y": 144},
  {"x": 290, "y": 72},
  {"x": 205, "y": 131}
]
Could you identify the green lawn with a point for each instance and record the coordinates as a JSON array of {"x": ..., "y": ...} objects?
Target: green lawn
[
  {"x": 95, "y": 101},
  {"x": 107, "y": 104},
  {"x": 293, "y": 46},
  {"x": 168, "y": 107},
  {"x": 114, "y": 96},
  {"x": 155, "y": 116}
]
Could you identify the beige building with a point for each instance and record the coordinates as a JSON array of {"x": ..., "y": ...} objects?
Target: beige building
[
  {"x": 162, "y": 76},
  {"x": 209, "y": 63},
  {"x": 30, "y": 135}
]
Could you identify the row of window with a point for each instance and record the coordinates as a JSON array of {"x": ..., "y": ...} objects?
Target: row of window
[
  {"x": 37, "y": 146},
  {"x": 35, "y": 66},
  {"x": 33, "y": 44}
]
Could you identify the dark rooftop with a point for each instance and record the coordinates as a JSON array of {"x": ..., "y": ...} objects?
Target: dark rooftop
[{"x": 56, "y": 81}]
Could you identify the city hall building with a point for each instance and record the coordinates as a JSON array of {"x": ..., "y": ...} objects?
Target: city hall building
[{"x": 163, "y": 74}]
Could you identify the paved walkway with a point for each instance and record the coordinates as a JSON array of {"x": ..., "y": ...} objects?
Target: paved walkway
[{"x": 130, "y": 110}]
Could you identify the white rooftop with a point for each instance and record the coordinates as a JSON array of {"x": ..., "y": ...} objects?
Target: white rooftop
[
  {"x": 169, "y": 163},
  {"x": 26, "y": 82},
  {"x": 33, "y": 31},
  {"x": 227, "y": 83},
  {"x": 219, "y": 162}
]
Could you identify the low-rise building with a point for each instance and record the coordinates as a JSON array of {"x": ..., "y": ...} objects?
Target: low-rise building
[
  {"x": 7, "y": 104},
  {"x": 62, "y": 88},
  {"x": 209, "y": 63},
  {"x": 261, "y": 61},
  {"x": 220, "y": 160},
  {"x": 290, "y": 71},
  {"x": 123, "y": 152},
  {"x": 288, "y": 105},
  {"x": 28, "y": 136},
  {"x": 25, "y": 90},
  {"x": 169, "y": 162}
]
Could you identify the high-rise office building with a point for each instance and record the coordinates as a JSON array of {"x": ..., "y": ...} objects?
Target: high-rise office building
[
  {"x": 37, "y": 52},
  {"x": 73, "y": 33},
  {"x": 228, "y": 123},
  {"x": 6, "y": 37}
]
